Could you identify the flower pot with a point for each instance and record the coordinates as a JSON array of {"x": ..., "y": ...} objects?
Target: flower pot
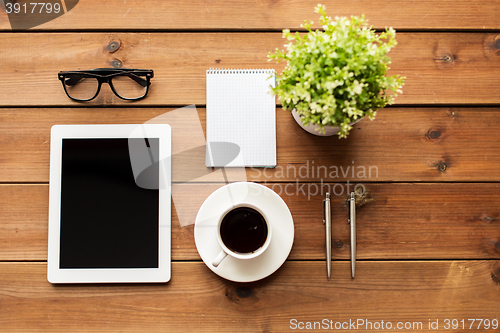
[{"x": 314, "y": 129}]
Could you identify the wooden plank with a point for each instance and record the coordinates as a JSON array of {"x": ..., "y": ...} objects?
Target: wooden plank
[
  {"x": 395, "y": 221},
  {"x": 24, "y": 216},
  {"x": 401, "y": 144},
  {"x": 441, "y": 68},
  {"x": 196, "y": 300},
  {"x": 269, "y": 15}
]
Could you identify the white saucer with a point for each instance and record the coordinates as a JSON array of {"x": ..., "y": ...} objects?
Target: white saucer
[{"x": 279, "y": 217}]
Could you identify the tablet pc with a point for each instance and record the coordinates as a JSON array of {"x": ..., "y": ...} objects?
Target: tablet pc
[{"x": 109, "y": 203}]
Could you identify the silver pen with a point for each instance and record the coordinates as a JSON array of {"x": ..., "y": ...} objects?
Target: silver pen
[
  {"x": 352, "y": 221},
  {"x": 327, "y": 221}
]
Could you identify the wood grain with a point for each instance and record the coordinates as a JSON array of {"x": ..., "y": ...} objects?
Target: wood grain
[
  {"x": 269, "y": 15},
  {"x": 441, "y": 68},
  {"x": 196, "y": 300},
  {"x": 395, "y": 221},
  {"x": 401, "y": 144},
  {"x": 428, "y": 225}
]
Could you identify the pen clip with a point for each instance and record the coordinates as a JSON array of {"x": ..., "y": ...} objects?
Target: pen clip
[
  {"x": 350, "y": 199},
  {"x": 351, "y": 207},
  {"x": 348, "y": 210},
  {"x": 324, "y": 211},
  {"x": 352, "y": 221}
]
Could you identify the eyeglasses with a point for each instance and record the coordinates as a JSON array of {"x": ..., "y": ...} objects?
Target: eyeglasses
[{"x": 128, "y": 84}]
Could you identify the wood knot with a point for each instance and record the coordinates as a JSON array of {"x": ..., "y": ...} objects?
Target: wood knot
[
  {"x": 496, "y": 43},
  {"x": 362, "y": 197},
  {"x": 495, "y": 272},
  {"x": 487, "y": 219},
  {"x": 492, "y": 46},
  {"x": 243, "y": 292},
  {"x": 434, "y": 135},
  {"x": 217, "y": 61},
  {"x": 442, "y": 166},
  {"x": 240, "y": 294},
  {"x": 116, "y": 64},
  {"x": 446, "y": 58},
  {"x": 497, "y": 246},
  {"x": 113, "y": 47},
  {"x": 338, "y": 244}
]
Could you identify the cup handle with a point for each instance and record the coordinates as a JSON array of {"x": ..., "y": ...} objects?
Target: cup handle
[{"x": 219, "y": 258}]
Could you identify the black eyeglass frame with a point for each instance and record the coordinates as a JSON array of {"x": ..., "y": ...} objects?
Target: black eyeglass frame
[{"x": 105, "y": 75}]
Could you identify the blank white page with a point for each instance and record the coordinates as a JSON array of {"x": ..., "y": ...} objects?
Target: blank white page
[{"x": 241, "y": 118}]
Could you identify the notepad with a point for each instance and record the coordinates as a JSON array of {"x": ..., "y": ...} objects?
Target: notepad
[{"x": 241, "y": 118}]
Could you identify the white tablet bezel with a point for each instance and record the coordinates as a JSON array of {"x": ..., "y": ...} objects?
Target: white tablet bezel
[{"x": 113, "y": 275}]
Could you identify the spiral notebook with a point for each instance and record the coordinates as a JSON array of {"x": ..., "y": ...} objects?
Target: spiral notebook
[{"x": 241, "y": 118}]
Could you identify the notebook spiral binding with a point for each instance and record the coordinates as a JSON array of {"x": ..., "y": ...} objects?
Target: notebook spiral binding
[{"x": 240, "y": 71}]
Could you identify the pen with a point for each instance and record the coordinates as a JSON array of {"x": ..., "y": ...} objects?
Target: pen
[
  {"x": 352, "y": 220},
  {"x": 327, "y": 221}
]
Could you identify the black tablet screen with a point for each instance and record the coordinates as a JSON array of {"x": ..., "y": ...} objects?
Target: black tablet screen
[{"x": 107, "y": 221}]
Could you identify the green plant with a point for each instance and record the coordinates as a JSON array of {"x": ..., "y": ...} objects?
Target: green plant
[{"x": 336, "y": 76}]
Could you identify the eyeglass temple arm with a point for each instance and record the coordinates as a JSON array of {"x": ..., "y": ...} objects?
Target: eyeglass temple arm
[
  {"x": 129, "y": 71},
  {"x": 138, "y": 79},
  {"x": 74, "y": 79}
]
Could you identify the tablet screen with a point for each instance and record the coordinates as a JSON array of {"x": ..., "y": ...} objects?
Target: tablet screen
[{"x": 107, "y": 221}]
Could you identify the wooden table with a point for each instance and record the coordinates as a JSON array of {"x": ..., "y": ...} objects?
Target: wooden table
[{"x": 428, "y": 226}]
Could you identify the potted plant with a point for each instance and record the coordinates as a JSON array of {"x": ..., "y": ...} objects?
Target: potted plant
[{"x": 336, "y": 76}]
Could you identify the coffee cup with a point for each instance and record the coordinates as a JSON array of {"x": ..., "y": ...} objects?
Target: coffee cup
[{"x": 243, "y": 232}]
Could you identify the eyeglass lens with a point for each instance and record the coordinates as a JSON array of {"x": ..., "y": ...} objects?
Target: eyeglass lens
[
  {"x": 80, "y": 87},
  {"x": 127, "y": 87}
]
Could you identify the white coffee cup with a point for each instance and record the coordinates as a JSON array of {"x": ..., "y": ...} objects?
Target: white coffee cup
[{"x": 239, "y": 209}]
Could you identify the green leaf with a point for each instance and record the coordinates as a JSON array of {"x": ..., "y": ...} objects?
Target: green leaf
[{"x": 336, "y": 75}]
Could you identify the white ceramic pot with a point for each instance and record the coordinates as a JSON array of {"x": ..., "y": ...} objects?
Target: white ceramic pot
[{"x": 314, "y": 129}]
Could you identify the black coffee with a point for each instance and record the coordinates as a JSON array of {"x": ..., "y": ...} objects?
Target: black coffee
[{"x": 243, "y": 230}]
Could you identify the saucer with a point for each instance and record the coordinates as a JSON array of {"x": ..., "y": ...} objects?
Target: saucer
[{"x": 278, "y": 215}]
